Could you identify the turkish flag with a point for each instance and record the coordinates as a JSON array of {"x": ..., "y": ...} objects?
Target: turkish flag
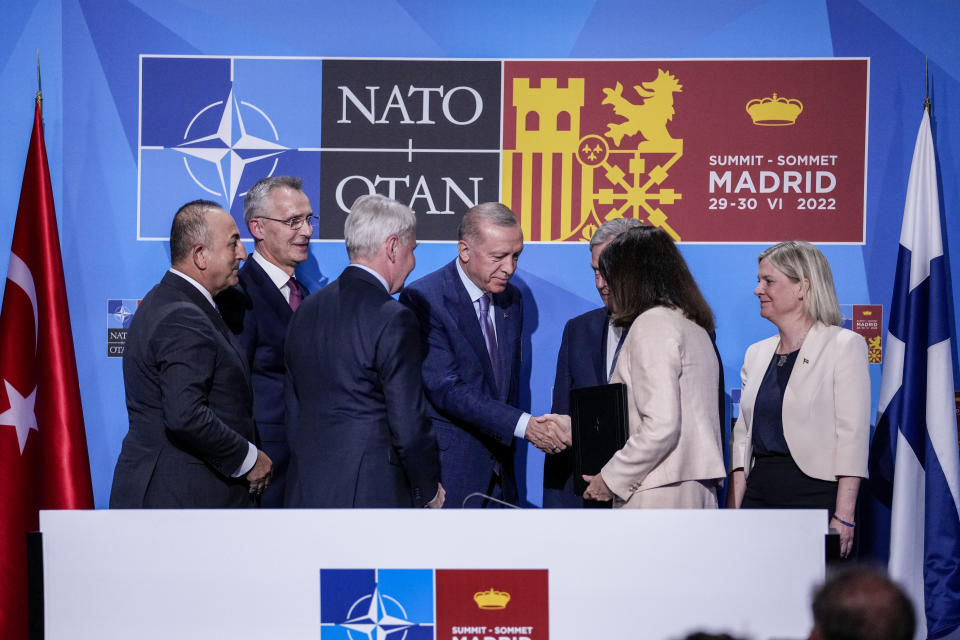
[{"x": 43, "y": 450}]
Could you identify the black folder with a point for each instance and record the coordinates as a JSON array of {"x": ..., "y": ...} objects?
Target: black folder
[{"x": 600, "y": 429}]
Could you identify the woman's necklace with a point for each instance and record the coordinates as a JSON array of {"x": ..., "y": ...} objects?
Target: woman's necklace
[{"x": 782, "y": 357}]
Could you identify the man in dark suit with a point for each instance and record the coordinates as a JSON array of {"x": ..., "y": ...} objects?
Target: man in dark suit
[
  {"x": 586, "y": 358},
  {"x": 192, "y": 437},
  {"x": 353, "y": 356},
  {"x": 258, "y": 310},
  {"x": 470, "y": 321}
]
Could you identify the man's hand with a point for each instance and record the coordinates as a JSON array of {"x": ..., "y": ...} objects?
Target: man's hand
[
  {"x": 259, "y": 475},
  {"x": 550, "y": 432},
  {"x": 437, "y": 501}
]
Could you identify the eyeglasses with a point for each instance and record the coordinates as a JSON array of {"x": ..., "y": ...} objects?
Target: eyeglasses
[{"x": 295, "y": 222}]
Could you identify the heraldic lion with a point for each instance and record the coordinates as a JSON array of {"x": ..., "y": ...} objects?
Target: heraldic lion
[{"x": 650, "y": 117}]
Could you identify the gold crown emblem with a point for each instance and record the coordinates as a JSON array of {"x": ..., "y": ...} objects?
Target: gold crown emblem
[
  {"x": 492, "y": 599},
  {"x": 867, "y": 313},
  {"x": 774, "y": 111}
]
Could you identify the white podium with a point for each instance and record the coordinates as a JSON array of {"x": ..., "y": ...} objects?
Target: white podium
[{"x": 256, "y": 574}]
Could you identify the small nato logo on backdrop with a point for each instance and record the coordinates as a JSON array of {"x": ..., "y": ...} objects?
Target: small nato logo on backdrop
[
  {"x": 368, "y": 604},
  {"x": 211, "y": 127},
  {"x": 119, "y": 315},
  {"x": 423, "y": 604}
]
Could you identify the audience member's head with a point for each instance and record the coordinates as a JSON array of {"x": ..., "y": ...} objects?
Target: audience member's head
[
  {"x": 860, "y": 604},
  {"x": 700, "y": 635}
]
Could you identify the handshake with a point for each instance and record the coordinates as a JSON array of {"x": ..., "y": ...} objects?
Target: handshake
[{"x": 550, "y": 432}]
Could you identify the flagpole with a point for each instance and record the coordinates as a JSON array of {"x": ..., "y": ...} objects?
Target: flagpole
[
  {"x": 926, "y": 74},
  {"x": 39, "y": 88}
]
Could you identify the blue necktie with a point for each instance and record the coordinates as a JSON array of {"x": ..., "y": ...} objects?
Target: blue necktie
[{"x": 490, "y": 336}]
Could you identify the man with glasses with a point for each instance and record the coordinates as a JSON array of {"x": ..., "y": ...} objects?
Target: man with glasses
[{"x": 278, "y": 214}]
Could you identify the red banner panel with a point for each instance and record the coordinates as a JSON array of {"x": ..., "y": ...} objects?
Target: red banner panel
[
  {"x": 868, "y": 322},
  {"x": 502, "y": 604},
  {"x": 753, "y": 151}
]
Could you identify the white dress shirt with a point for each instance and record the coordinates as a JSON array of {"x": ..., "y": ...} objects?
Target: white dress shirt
[
  {"x": 277, "y": 275},
  {"x": 475, "y": 293}
]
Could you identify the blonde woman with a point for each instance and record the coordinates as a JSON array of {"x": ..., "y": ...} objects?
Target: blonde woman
[{"x": 801, "y": 439}]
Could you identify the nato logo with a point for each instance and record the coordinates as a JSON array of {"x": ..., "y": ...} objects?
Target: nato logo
[
  {"x": 119, "y": 316},
  {"x": 210, "y": 127},
  {"x": 376, "y": 604},
  {"x": 120, "y": 312}
]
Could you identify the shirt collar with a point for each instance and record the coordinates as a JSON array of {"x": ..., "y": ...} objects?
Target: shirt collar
[
  {"x": 277, "y": 275},
  {"x": 200, "y": 287},
  {"x": 473, "y": 290},
  {"x": 372, "y": 272}
]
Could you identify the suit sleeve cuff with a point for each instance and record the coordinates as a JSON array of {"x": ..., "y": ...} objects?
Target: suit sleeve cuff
[
  {"x": 248, "y": 462},
  {"x": 520, "y": 431}
]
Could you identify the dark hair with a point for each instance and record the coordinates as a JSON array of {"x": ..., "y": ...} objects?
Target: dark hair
[
  {"x": 189, "y": 228},
  {"x": 860, "y": 604},
  {"x": 644, "y": 269},
  {"x": 493, "y": 212}
]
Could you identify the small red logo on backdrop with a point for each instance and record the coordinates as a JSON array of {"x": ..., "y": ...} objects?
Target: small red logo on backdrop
[
  {"x": 868, "y": 322},
  {"x": 492, "y": 604}
]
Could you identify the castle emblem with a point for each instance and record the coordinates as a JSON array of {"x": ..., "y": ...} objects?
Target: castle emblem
[{"x": 564, "y": 181}]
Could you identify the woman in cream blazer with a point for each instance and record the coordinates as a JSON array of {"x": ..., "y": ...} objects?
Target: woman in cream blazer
[
  {"x": 801, "y": 440},
  {"x": 673, "y": 457}
]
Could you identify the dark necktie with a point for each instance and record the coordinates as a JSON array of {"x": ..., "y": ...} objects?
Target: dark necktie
[
  {"x": 616, "y": 354},
  {"x": 296, "y": 296},
  {"x": 490, "y": 336}
]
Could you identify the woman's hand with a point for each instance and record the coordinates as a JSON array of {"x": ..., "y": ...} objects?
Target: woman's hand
[
  {"x": 597, "y": 489},
  {"x": 847, "y": 488},
  {"x": 736, "y": 488},
  {"x": 846, "y": 535}
]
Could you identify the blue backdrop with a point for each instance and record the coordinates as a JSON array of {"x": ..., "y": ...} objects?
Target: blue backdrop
[{"x": 89, "y": 54}]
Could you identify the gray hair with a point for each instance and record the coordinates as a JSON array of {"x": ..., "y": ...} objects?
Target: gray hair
[
  {"x": 611, "y": 229},
  {"x": 799, "y": 260},
  {"x": 190, "y": 228},
  {"x": 492, "y": 212},
  {"x": 257, "y": 194},
  {"x": 374, "y": 218}
]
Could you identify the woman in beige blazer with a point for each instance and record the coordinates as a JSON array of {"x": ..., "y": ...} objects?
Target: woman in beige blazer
[
  {"x": 673, "y": 456},
  {"x": 801, "y": 439}
]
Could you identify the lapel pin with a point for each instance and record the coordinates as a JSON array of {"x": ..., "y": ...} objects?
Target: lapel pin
[{"x": 805, "y": 361}]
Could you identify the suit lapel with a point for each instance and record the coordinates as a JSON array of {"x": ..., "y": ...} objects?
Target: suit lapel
[
  {"x": 804, "y": 378},
  {"x": 271, "y": 293},
  {"x": 757, "y": 367},
  {"x": 600, "y": 357},
  {"x": 191, "y": 294},
  {"x": 507, "y": 326},
  {"x": 466, "y": 317}
]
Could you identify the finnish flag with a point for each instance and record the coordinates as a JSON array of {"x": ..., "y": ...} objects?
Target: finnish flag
[{"x": 914, "y": 455}]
